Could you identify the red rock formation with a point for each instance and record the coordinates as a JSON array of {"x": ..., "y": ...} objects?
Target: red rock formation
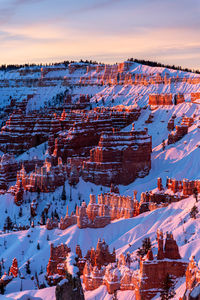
[
  {"x": 101, "y": 220},
  {"x": 176, "y": 135},
  {"x": 170, "y": 125},
  {"x": 110, "y": 206},
  {"x": 119, "y": 158},
  {"x": 166, "y": 99},
  {"x": 5, "y": 279},
  {"x": 160, "y": 99},
  {"x": 57, "y": 257},
  {"x": 171, "y": 249},
  {"x": 179, "y": 98},
  {"x": 159, "y": 183},
  {"x": 45, "y": 179},
  {"x": 67, "y": 220},
  {"x": 195, "y": 96},
  {"x": 180, "y": 130},
  {"x": 192, "y": 280},
  {"x": 57, "y": 265},
  {"x": 33, "y": 208},
  {"x": 19, "y": 192},
  {"x": 148, "y": 282},
  {"x": 84, "y": 129},
  {"x": 78, "y": 251},
  {"x": 101, "y": 256},
  {"x": 160, "y": 254},
  {"x": 153, "y": 272},
  {"x": 22, "y": 131},
  {"x": 8, "y": 168},
  {"x": 51, "y": 224},
  {"x": 114, "y": 189},
  {"x": 14, "y": 268}
]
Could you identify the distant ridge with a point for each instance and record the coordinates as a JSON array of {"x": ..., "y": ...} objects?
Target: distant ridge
[{"x": 150, "y": 63}]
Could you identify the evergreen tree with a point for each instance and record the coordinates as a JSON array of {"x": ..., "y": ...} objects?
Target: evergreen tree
[
  {"x": 194, "y": 211},
  {"x": 167, "y": 291},
  {"x": 63, "y": 195},
  {"x": 114, "y": 295},
  {"x": 43, "y": 218},
  {"x": 2, "y": 289},
  {"x": 28, "y": 270},
  {"x": 195, "y": 193},
  {"x": 146, "y": 246},
  {"x": 38, "y": 246},
  {"x": 21, "y": 288},
  {"x": 20, "y": 212},
  {"x": 56, "y": 214},
  {"x": 163, "y": 145},
  {"x": 8, "y": 225}
]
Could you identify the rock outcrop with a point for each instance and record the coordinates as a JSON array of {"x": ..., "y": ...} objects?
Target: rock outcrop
[
  {"x": 69, "y": 290},
  {"x": 119, "y": 158},
  {"x": 44, "y": 179}
]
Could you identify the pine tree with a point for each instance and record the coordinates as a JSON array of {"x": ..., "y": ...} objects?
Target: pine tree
[
  {"x": 163, "y": 145},
  {"x": 8, "y": 225},
  {"x": 38, "y": 246},
  {"x": 28, "y": 270},
  {"x": 56, "y": 214},
  {"x": 167, "y": 291},
  {"x": 194, "y": 211},
  {"x": 2, "y": 289},
  {"x": 20, "y": 212},
  {"x": 114, "y": 295},
  {"x": 146, "y": 246},
  {"x": 63, "y": 195},
  {"x": 21, "y": 288},
  {"x": 195, "y": 193}
]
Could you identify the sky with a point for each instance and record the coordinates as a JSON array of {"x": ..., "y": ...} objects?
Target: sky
[{"x": 108, "y": 31}]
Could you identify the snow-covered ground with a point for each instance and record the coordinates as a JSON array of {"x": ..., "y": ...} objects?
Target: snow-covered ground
[
  {"x": 179, "y": 160},
  {"x": 123, "y": 235}
]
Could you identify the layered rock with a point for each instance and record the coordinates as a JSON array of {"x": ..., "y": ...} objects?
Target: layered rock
[
  {"x": 101, "y": 256},
  {"x": 160, "y": 99},
  {"x": 51, "y": 224},
  {"x": 166, "y": 99},
  {"x": 147, "y": 281},
  {"x": 170, "y": 125},
  {"x": 44, "y": 179},
  {"x": 22, "y": 131},
  {"x": 174, "y": 191},
  {"x": 67, "y": 220},
  {"x": 62, "y": 261},
  {"x": 110, "y": 206},
  {"x": 8, "y": 167},
  {"x": 180, "y": 130},
  {"x": 195, "y": 97},
  {"x": 176, "y": 135},
  {"x": 154, "y": 271},
  {"x": 56, "y": 261},
  {"x": 84, "y": 129},
  {"x": 119, "y": 158}
]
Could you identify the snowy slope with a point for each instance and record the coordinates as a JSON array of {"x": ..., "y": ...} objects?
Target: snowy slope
[
  {"x": 125, "y": 235},
  {"x": 179, "y": 160}
]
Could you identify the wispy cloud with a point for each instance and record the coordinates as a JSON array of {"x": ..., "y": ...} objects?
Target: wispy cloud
[{"x": 106, "y": 29}]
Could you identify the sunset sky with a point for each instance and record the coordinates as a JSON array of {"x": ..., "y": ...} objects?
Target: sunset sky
[{"x": 104, "y": 30}]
